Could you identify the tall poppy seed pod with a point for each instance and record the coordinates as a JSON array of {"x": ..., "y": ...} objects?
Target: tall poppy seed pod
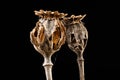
[
  {"x": 77, "y": 37},
  {"x": 48, "y": 36}
]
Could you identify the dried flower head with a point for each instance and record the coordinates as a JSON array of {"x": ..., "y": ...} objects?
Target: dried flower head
[{"x": 49, "y": 33}]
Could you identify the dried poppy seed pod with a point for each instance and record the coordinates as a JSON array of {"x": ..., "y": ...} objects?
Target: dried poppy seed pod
[
  {"x": 77, "y": 37},
  {"x": 48, "y": 36}
]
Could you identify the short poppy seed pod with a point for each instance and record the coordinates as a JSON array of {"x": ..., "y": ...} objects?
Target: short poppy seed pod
[{"x": 77, "y": 37}]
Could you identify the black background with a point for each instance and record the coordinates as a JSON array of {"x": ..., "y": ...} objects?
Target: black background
[{"x": 101, "y": 55}]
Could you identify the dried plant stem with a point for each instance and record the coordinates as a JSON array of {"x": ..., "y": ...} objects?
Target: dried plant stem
[
  {"x": 80, "y": 61},
  {"x": 48, "y": 67}
]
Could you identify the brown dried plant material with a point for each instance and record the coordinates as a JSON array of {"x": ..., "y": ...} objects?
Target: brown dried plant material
[
  {"x": 48, "y": 36},
  {"x": 77, "y": 37}
]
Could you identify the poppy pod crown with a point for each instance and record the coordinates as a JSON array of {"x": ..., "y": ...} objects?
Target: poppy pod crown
[{"x": 49, "y": 14}]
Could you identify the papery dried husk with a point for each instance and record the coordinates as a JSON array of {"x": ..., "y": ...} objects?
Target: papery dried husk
[
  {"x": 76, "y": 32},
  {"x": 49, "y": 33}
]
